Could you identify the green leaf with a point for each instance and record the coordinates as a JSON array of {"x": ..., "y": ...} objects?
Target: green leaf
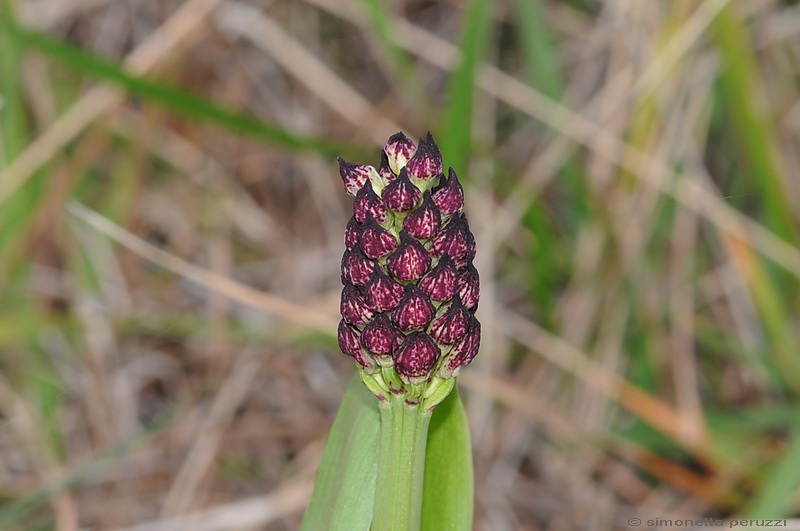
[
  {"x": 456, "y": 131},
  {"x": 344, "y": 492},
  {"x": 775, "y": 498},
  {"x": 539, "y": 48},
  {"x": 448, "y": 492}
]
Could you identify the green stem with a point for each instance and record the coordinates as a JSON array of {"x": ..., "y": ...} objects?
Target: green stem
[{"x": 401, "y": 466}]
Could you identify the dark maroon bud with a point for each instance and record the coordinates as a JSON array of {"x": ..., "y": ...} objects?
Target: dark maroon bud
[
  {"x": 401, "y": 195},
  {"x": 354, "y": 307},
  {"x": 399, "y": 150},
  {"x": 440, "y": 283},
  {"x": 449, "y": 195},
  {"x": 351, "y": 233},
  {"x": 376, "y": 242},
  {"x": 426, "y": 164},
  {"x": 451, "y": 326},
  {"x": 385, "y": 171},
  {"x": 355, "y": 175},
  {"x": 350, "y": 345},
  {"x": 463, "y": 352},
  {"x": 415, "y": 311},
  {"x": 425, "y": 221},
  {"x": 416, "y": 357},
  {"x": 383, "y": 293},
  {"x": 410, "y": 261},
  {"x": 368, "y": 203},
  {"x": 356, "y": 267},
  {"x": 468, "y": 284},
  {"x": 380, "y": 338},
  {"x": 469, "y": 252},
  {"x": 452, "y": 239}
]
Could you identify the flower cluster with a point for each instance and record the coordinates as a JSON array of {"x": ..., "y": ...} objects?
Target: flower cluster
[{"x": 410, "y": 289}]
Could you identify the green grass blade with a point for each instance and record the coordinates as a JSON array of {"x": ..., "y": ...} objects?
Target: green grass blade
[
  {"x": 777, "y": 493},
  {"x": 447, "y": 496},
  {"x": 539, "y": 47},
  {"x": 456, "y": 131},
  {"x": 743, "y": 95},
  {"x": 178, "y": 100},
  {"x": 381, "y": 22},
  {"x": 12, "y": 110},
  {"x": 344, "y": 491}
]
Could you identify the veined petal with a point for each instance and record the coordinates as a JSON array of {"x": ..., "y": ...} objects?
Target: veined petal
[
  {"x": 399, "y": 150},
  {"x": 451, "y": 326},
  {"x": 415, "y": 311},
  {"x": 354, "y": 307},
  {"x": 401, "y": 195},
  {"x": 426, "y": 164},
  {"x": 350, "y": 345},
  {"x": 449, "y": 195},
  {"x": 462, "y": 352},
  {"x": 381, "y": 339},
  {"x": 425, "y": 221},
  {"x": 416, "y": 358},
  {"x": 351, "y": 233},
  {"x": 385, "y": 171},
  {"x": 410, "y": 261},
  {"x": 356, "y": 267},
  {"x": 468, "y": 283},
  {"x": 376, "y": 242},
  {"x": 355, "y": 175},
  {"x": 452, "y": 239},
  {"x": 440, "y": 283},
  {"x": 382, "y": 292},
  {"x": 368, "y": 203}
]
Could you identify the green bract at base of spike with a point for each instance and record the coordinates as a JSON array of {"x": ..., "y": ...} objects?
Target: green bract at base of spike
[{"x": 387, "y": 386}]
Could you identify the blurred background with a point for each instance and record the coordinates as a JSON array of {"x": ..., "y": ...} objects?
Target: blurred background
[{"x": 171, "y": 226}]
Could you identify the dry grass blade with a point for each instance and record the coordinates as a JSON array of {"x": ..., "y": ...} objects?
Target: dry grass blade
[
  {"x": 180, "y": 28},
  {"x": 242, "y": 19},
  {"x": 243, "y": 514},
  {"x": 283, "y": 309}
]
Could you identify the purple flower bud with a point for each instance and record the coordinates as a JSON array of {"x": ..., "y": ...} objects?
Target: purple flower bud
[
  {"x": 354, "y": 307},
  {"x": 426, "y": 164},
  {"x": 350, "y": 345},
  {"x": 355, "y": 175},
  {"x": 376, "y": 242},
  {"x": 399, "y": 150},
  {"x": 381, "y": 339},
  {"x": 410, "y": 261},
  {"x": 463, "y": 352},
  {"x": 401, "y": 195},
  {"x": 382, "y": 292},
  {"x": 452, "y": 239},
  {"x": 351, "y": 233},
  {"x": 449, "y": 195},
  {"x": 414, "y": 312},
  {"x": 385, "y": 171},
  {"x": 469, "y": 252},
  {"x": 368, "y": 203},
  {"x": 356, "y": 267},
  {"x": 416, "y": 358},
  {"x": 451, "y": 326},
  {"x": 468, "y": 283},
  {"x": 425, "y": 221},
  {"x": 440, "y": 283}
]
